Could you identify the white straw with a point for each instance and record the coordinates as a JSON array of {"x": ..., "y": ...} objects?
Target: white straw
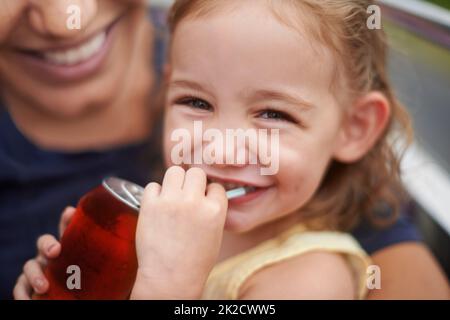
[{"x": 235, "y": 193}]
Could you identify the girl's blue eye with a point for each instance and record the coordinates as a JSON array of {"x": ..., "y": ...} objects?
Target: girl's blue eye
[
  {"x": 195, "y": 103},
  {"x": 276, "y": 115}
]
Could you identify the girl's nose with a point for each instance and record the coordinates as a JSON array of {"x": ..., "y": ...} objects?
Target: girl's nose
[
  {"x": 55, "y": 17},
  {"x": 235, "y": 148}
]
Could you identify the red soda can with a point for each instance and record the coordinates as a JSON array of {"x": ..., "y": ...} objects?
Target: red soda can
[{"x": 98, "y": 253}]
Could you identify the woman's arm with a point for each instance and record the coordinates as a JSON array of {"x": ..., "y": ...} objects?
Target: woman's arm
[{"x": 409, "y": 271}]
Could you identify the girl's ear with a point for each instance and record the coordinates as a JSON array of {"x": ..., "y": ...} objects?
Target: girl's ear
[{"x": 363, "y": 125}]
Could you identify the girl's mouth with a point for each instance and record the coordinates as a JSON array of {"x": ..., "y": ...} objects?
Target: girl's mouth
[{"x": 239, "y": 192}]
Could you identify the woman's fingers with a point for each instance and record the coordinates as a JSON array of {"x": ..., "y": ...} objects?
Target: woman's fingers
[
  {"x": 48, "y": 246},
  {"x": 195, "y": 182},
  {"x": 22, "y": 289},
  {"x": 66, "y": 217},
  {"x": 35, "y": 276}
]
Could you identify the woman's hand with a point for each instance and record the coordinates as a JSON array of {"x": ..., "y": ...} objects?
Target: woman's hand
[
  {"x": 33, "y": 280},
  {"x": 179, "y": 235}
]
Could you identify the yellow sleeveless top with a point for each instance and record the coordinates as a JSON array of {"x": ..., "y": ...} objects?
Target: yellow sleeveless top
[{"x": 227, "y": 277}]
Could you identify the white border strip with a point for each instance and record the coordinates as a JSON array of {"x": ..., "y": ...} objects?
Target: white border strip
[
  {"x": 421, "y": 9},
  {"x": 428, "y": 183}
]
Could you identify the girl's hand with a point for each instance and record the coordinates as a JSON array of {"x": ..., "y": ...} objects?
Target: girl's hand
[
  {"x": 179, "y": 235},
  {"x": 33, "y": 280}
]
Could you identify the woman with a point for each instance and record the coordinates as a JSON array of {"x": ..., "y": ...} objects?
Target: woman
[{"x": 77, "y": 104}]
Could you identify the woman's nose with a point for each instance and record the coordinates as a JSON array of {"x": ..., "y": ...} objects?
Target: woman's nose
[
  {"x": 10, "y": 12},
  {"x": 59, "y": 18}
]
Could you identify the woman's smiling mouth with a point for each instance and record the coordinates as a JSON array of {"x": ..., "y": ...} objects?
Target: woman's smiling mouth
[
  {"x": 78, "y": 54},
  {"x": 73, "y": 62}
]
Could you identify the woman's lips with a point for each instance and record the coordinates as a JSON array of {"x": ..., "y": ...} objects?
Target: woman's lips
[
  {"x": 73, "y": 63},
  {"x": 79, "y": 54}
]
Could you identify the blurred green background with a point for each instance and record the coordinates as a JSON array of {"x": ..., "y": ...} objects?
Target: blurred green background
[{"x": 443, "y": 3}]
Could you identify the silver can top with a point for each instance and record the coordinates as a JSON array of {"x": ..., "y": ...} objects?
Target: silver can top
[{"x": 127, "y": 192}]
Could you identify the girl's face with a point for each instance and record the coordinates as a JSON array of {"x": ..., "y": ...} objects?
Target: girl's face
[
  {"x": 244, "y": 69},
  {"x": 65, "y": 71}
]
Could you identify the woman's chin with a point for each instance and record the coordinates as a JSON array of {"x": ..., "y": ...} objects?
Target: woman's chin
[{"x": 74, "y": 106}]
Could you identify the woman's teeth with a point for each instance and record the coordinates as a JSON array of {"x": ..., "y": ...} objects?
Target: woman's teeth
[{"x": 79, "y": 54}]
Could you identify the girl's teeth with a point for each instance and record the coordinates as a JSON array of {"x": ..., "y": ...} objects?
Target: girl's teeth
[
  {"x": 231, "y": 186},
  {"x": 77, "y": 55}
]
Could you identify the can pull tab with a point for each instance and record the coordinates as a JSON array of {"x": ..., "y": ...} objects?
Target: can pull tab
[
  {"x": 127, "y": 192},
  {"x": 133, "y": 192}
]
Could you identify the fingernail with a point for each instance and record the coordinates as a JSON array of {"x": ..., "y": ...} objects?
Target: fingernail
[
  {"x": 49, "y": 249},
  {"x": 39, "y": 283}
]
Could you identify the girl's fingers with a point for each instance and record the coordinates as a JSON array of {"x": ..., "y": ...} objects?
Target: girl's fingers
[
  {"x": 216, "y": 192},
  {"x": 48, "y": 246},
  {"x": 173, "y": 181},
  {"x": 152, "y": 190},
  {"x": 22, "y": 289},
  {"x": 195, "y": 182},
  {"x": 66, "y": 217},
  {"x": 35, "y": 276}
]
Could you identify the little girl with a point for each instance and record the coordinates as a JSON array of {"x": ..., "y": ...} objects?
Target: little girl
[{"x": 315, "y": 74}]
